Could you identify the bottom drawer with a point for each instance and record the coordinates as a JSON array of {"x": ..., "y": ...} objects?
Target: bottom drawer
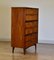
[
  {"x": 29, "y": 43},
  {"x": 31, "y": 40}
]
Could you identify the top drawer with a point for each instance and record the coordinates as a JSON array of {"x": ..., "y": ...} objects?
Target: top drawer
[{"x": 31, "y": 11}]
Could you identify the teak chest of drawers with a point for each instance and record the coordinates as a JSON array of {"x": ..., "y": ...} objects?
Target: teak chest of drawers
[{"x": 24, "y": 27}]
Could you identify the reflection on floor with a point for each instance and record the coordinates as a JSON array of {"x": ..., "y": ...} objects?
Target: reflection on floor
[{"x": 43, "y": 52}]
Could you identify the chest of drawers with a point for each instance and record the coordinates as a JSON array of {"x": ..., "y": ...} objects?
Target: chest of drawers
[{"x": 24, "y": 27}]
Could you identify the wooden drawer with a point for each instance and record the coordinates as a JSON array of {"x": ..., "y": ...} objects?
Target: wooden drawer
[
  {"x": 31, "y": 17},
  {"x": 31, "y": 40},
  {"x": 35, "y": 29},
  {"x": 28, "y": 31},
  {"x": 29, "y": 43},
  {"x": 31, "y": 24},
  {"x": 31, "y": 37},
  {"x": 31, "y": 11},
  {"x": 35, "y": 24},
  {"x": 31, "y": 30}
]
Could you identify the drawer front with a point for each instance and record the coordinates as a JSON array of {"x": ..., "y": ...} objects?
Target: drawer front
[
  {"x": 31, "y": 37},
  {"x": 35, "y": 29},
  {"x": 28, "y": 44},
  {"x": 31, "y": 11},
  {"x": 31, "y": 30},
  {"x": 28, "y": 31},
  {"x": 31, "y": 17},
  {"x": 27, "y": 25},
  {"x": 31, "y": 24},
  {"x": 31, "y": 40},
  {"x": 35, "y": 24}
]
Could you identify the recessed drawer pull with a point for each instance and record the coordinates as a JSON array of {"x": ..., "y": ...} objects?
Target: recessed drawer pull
[{"x": 27, "y": 21}]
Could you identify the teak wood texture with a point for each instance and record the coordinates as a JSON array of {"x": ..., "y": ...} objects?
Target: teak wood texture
[{"x": 24, "y": 27}]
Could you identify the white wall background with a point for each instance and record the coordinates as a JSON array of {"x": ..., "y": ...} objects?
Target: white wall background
[{"x": 46, "y": 18}]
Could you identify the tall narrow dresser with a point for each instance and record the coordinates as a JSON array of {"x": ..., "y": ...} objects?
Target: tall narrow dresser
[{"x": 24, "y": 27}]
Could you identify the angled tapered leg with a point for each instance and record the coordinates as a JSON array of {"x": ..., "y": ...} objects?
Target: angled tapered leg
[
  {"x": 35, "y": 48},
  {"x": 13, "y": 50},
  {"x": 24, "y": 51}
]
